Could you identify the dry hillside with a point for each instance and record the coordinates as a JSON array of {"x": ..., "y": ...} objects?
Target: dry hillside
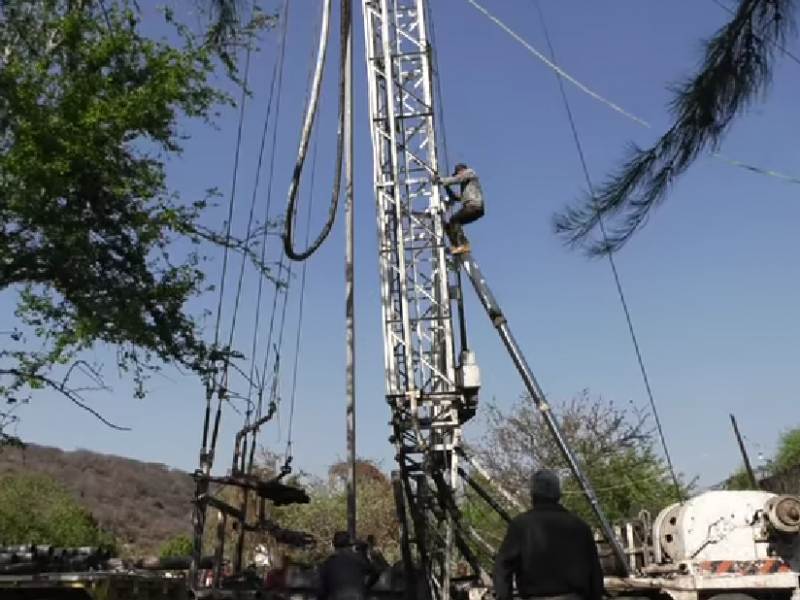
[{"x": 143, "y": 504}]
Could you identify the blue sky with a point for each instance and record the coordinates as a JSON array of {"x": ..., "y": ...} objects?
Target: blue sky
[{"x": 711, "y": 282}]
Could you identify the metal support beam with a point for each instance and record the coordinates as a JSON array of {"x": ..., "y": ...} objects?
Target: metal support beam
[{"x": 532, "y": 385}]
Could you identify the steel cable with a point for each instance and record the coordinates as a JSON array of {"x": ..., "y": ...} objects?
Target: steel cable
[
  {"x": 276, "y": 85},
  {"x": 263, "y": 382},
  {"x": 300, "y": 310},
  {"x": 612, "y": 262},
  {"x": 250, "y": 220},
  {"x": 232, "y": 199},
  {"x": 211, "y": 382}
]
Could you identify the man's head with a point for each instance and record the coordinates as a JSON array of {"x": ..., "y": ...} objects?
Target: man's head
[
  {"x": 545, "y": 487},
  {"x": 371, "y": 540},
  {"x": 459, "y": 167},
  {"x": 341, "y": 539}
]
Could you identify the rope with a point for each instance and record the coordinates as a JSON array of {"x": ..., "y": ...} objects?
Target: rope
[
  {"x": 250, "y": 220},
  {"x": 632, "y": 117},
  {"x": 277, "y": 77},
  {"x": 263, "y": 383},
  {"x": 556, "y": 68},
  {"x": 611, "y": 260},
  {"x": 759, "y": 170},
  {"x": 308, "y": 123},
  {"x": 211, "y": 383},
  {"x": 232, "y": 198}
]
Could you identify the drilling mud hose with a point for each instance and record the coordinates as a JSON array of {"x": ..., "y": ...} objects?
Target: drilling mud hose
[{"x": 308, "y": 125}]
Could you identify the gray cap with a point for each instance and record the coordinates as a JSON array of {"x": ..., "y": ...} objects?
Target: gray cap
[{"x": 545, "y": 485}]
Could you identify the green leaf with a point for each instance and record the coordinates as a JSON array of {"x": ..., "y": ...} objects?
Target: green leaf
[
  {"x": 35, "y": 509},
  {"x": 90, "y": 109}
]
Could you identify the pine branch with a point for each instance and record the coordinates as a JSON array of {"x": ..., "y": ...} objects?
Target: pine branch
[{"x": 737, "y": 68}]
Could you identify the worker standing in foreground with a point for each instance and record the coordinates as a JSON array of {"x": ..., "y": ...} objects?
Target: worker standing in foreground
[
  {"x": 471, "y": 198},
  {"x": 549, "y": 551},
  {"x": 346, "y": 574}
]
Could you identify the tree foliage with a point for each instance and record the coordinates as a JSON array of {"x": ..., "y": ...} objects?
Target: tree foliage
[
  {"x": 787, "y": 456},
  {"x": 90, "y": 111},
  {"x": 180, "y": 545},
  {"x": 615, "y": 448},
  {"x": 142, "y": 504},
  {"x": 322, "y": 517},
  {"x": 327, "y": 511},
  {"x": 739, "y": 480},
  {"x": 35, "y": 509},
  {"x": 736, "y": 69}
]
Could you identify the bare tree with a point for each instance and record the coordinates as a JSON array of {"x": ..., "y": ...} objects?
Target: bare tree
[{"x": 615, "y": 446}]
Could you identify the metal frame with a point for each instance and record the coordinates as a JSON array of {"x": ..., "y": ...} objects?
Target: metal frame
[{"x": 419, "y": 346}]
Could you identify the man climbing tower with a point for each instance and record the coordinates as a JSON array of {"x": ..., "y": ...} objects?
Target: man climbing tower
[{"x": 471, "y": 198}]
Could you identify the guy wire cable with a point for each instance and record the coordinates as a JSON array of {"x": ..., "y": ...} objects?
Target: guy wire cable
[
  {"x": 552, "y": 65},
  {"x": 612, "y": 262},
  {"x": 757, "y": 170},
  {"x": 580, "y": 85}
]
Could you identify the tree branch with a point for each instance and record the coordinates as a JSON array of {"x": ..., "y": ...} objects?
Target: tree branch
[
  {"x": 737, "y": 66},
  {"x": 61, "y": 387}
]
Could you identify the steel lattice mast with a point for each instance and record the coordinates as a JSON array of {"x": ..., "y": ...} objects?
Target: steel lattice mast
[{"x": 419, "y": 349}]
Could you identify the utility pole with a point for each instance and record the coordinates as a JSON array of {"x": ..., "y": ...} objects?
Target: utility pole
[
  {"x": 347, "y": 13},
  {"x": 747, "y": 466}
]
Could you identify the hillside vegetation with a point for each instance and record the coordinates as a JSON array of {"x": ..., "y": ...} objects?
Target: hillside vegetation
[
  {"x": 146, "y": 506},
  {"x": 141, "y": 504}
]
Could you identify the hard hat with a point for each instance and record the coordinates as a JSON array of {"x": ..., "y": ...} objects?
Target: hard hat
[{"x": 459, "y": 167}]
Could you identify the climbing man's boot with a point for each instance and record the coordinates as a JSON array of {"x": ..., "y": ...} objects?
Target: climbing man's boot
[{"x": 460, "y": 249}]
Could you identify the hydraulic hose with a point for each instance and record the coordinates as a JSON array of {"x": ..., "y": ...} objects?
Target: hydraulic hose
[{"x": 305, "y": 136}]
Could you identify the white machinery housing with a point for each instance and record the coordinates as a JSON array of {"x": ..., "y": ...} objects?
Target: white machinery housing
[{"x": 719, "y": 543}]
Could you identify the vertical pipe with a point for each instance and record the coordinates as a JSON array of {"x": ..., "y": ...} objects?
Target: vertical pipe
[
  {"x": 347, "y": 32},
  {"x": 219, "y": 554},
  {"x": 462, "y": 317},
  {"x": 239, "y": 464},
  {"x": 747, "y": 466}
]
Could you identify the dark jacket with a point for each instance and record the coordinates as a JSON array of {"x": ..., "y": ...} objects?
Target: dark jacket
[
  {"x": 377, "y": 559},
  {"x": 471, "y": 192},
  {"x": 550, "y": 552},
  {"x": 345, "y": 574}
]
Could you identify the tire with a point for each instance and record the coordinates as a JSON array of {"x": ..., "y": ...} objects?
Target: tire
[{"x": 733, "y": 596}]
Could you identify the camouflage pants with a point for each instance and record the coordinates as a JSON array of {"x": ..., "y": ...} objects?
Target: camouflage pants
[{"x": 455, "y": 227}]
